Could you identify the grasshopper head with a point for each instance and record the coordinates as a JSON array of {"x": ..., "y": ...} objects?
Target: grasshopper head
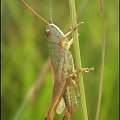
[{"x": 53, "y": 34}]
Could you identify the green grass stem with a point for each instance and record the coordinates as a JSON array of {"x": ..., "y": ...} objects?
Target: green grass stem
[{"x": 77, "y": 59}]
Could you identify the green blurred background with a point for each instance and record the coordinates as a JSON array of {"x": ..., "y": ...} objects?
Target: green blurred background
[{"x": 25, "y": 52}]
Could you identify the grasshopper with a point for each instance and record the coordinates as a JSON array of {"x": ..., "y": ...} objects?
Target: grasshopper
[{"x": 66, "y": 89}]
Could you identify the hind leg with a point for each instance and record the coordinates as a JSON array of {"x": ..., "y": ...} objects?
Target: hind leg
[{"x": 67, "y": 115}]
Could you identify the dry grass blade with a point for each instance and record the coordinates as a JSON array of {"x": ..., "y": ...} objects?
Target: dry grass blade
[
  {"x": 33, "y": 92},
  {"x": 102, "y": 62},
  {"x": 36, "y": 87}
]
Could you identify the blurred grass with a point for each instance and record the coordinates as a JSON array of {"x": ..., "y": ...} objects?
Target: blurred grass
[{"x": 24, "y": 53}]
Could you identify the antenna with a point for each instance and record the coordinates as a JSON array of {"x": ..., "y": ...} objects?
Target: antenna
[
  {"x": 32, "y": 11},
  {"x": 51, "y": 20}
]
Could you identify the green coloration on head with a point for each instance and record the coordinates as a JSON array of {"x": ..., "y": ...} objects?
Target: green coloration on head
[{"x": 53, "y": 33}]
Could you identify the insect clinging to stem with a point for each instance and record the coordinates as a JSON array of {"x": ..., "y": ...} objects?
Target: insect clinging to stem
[{"x": 66, "y": 89}]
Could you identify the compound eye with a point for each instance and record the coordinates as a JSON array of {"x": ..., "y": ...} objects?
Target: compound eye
[{"x": 47, "y": 32}]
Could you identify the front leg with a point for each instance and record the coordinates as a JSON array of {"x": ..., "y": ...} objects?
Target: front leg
[{"x": 66, "y": 44}]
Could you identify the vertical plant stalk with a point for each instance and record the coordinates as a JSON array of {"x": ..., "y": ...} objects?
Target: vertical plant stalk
[
  {"x": 102, "y": 62},
  {"x": 77, "y": 59}
]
